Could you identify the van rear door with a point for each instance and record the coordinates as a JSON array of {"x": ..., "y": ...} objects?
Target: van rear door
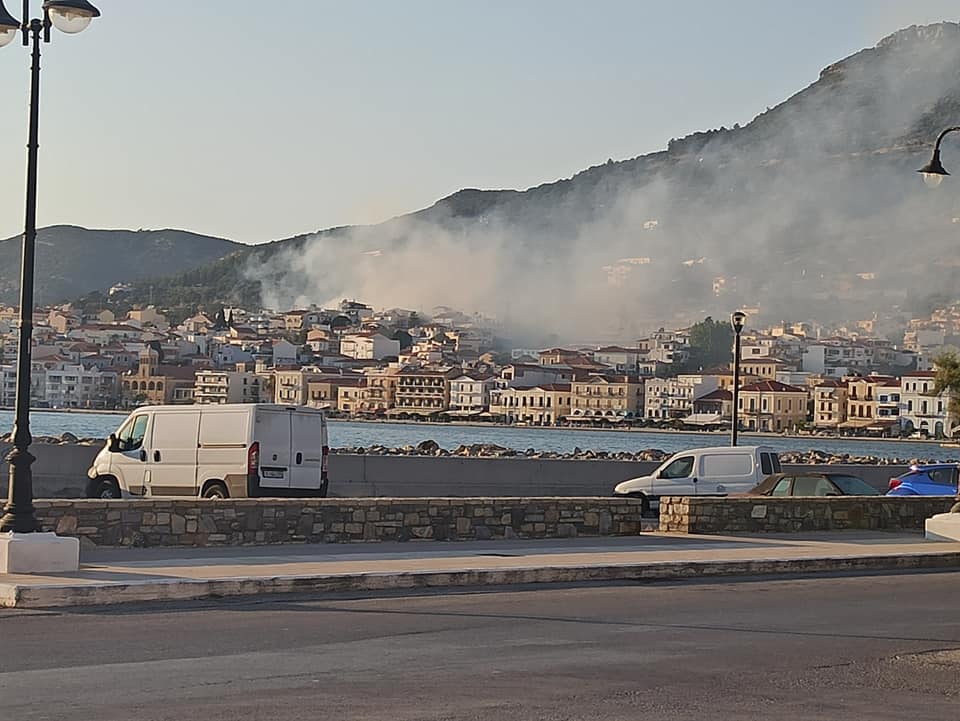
[
  {"x": 172, "y": 453},
  {"x": 272, "y": 431},
  {"x": 307, "y": 450}
]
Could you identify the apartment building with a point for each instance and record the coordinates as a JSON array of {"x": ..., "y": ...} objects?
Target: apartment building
[
  {"x": 73, "y": 386},
  {"x": 618, "y": 396},
  {"x": 666, "y": 398},
  {"x": 829, "y": 403},
  {"x": 470, "y": 394},
  {"x": 540, "y": 405},
  {"x": 215, "y": 387},
  {"x": 291, "y": 387},
  {"x": 368, "y": 346},
  {"x": 873, "y": 402},
  {"x": 920, "y": 410},
  {"x": 422, "y": 392},
  {"x": 769, "y": 405}
]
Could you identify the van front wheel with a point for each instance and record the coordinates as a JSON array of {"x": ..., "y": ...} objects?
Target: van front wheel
[
  {"x": 644, "y": 503},
  {"x": 106, "y": 489},
  {"x": 216, "y": 491}
]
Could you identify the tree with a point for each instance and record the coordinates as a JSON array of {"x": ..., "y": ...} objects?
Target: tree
[
  {"x": 947, "y": 379},
  {"x": 711, "y": 343}
]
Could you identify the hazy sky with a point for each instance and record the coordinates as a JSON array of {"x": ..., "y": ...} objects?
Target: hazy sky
[{"x": 260, "y": 120}]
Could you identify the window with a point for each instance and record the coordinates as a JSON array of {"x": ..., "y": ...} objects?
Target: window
[
  {"x": 813, "y": 486},
  {"x": 680, "y": 468},
  {"x": 782, "y": 488},
  {"x": 766, "y": 466},
  {"x": 946, "y": 476},
  {"x": 853, "y": 486},
  {"x": 728, "y": 464},
  {"x": 130, "y": 437}
]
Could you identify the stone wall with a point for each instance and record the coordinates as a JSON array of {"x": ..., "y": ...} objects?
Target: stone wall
[
  {"x": 790, "y": 515},
  {"x": 189, "y": 522}
]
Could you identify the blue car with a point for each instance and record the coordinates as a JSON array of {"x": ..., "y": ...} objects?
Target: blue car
[{"x": 934, "y": 479}]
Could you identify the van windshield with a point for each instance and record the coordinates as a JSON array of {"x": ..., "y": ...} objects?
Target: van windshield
[{"x": 130, "y": 437}]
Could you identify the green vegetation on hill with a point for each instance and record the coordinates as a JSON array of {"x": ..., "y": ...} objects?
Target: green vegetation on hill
[{"x": 72, "y": 261}]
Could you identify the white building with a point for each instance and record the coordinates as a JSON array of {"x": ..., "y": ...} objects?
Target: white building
[
  {"x": 920, "y": 410},
  {"x": 623, "y": 360},
  {"x": 73, "y": 386},
  {"x": 674, "y": 397},
  {"x": 8, "y": 385},
  {"x": 284, "y": 353},
  {"x": 219, "y": 387},
  {"x": 368, "y": 346},
  {"x": 228, "y": 355},
  {"x": 470, "y": 394}
]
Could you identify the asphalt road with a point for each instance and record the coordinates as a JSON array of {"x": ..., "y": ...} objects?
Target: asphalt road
[{"x": 869, "y": 647}]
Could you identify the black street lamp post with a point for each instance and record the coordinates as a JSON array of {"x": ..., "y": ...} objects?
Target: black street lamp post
[
  {"x": 933, "y": 174},
  {"x": 737, "y": 320},
  {"x": 68, "y": 16}
]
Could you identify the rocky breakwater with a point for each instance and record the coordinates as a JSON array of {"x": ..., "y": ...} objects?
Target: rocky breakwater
[
  {"x": 492, "y": 450},
  {"x": 822, "y": 458},
  {"x": 64, "y": 439}
]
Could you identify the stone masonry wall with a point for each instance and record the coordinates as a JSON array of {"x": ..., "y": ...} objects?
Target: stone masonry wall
[
  {"x": 789, "y": 515},
  {"x": 197, "y": 522}
]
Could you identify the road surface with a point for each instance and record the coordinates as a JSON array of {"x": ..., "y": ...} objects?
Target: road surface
[{"x": 868, "y": 647}]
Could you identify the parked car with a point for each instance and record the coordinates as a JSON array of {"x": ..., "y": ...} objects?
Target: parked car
[
  {"x": 934, "y": 479},
  {"x": 715, "y": 471},
  {"x": 814, "y": 484}
]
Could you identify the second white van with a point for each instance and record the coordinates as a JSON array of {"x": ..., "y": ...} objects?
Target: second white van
[
  {"x": 214, "y": 451},
  {"x": 715, "y": 471}
]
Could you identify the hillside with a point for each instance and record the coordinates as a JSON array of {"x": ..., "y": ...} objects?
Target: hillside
[
  {"x": 71, "y": 261},
  {"x": 811, "y": 209}
]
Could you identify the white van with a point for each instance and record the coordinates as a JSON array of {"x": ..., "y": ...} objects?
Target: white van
[
  {"x": 214, "y": 451},
  {"x": 704, "y": 472}
]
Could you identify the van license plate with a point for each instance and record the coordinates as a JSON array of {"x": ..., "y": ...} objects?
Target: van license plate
[{"x": 273, "y": 472}]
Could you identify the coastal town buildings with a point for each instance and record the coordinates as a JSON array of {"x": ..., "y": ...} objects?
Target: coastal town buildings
[{"x": 356, "y": 361}]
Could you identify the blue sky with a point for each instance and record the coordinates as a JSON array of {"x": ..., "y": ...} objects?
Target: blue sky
[{"x": 261, "y": 120}]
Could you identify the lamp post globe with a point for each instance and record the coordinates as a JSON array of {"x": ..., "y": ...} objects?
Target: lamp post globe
[
  {"x": 737, "y": 319},
  {"x": 70, "y": 16},
  {"x": 9, "y": 26}
]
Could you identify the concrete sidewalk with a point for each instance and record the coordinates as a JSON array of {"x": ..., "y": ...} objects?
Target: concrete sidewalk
[{"x": 113, "y": 576}]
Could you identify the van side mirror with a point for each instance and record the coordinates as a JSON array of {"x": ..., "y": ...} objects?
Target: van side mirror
[{"x": 113, "y": 443}]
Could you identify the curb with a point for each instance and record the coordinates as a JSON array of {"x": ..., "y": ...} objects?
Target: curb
[{"x": 66, "y": 595}]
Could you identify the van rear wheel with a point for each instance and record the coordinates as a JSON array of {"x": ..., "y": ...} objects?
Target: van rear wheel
[{"x": 216, "y": 491}]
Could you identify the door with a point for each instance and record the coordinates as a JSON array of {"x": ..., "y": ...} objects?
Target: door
[
  {"x": 172, "y": 453},
  {"x": 306, "y": 452},
  {"x": 678, "y": 478},
  {"x": 272, "y": 431},
  {"x": 129, "y": 463}
]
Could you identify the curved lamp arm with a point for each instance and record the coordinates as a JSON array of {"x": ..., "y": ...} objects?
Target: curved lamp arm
[{"x": 934, "y": 172}]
